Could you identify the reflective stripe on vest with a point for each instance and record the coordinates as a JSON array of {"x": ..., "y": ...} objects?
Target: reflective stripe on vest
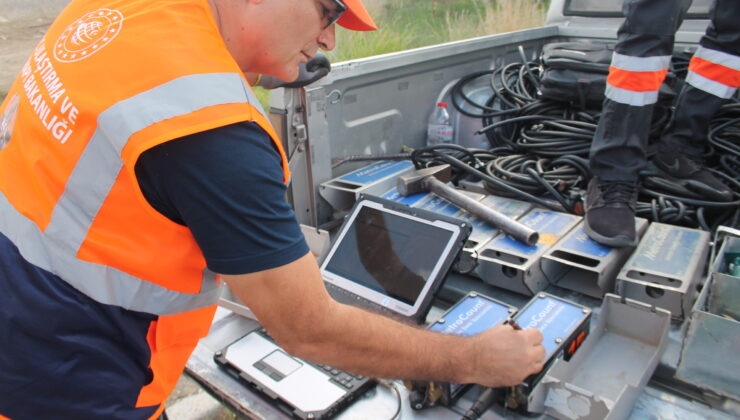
[
  {"x": 635, "y": 80},
  {"x": 55, "y": 249},
  {"x": 714, "y": 72}
]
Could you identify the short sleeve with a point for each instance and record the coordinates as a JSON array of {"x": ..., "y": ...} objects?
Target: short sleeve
[{"x": 226, "y": 186}]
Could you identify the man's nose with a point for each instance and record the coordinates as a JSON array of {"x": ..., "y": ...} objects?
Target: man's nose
[{"x": 327, "y": 38}]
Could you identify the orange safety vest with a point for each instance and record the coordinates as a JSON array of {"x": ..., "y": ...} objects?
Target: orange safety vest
[{"x": 107, "y": 82}]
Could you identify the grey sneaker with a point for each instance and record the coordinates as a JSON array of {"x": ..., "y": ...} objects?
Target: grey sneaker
[
  {"x": 690, "y": 174},
  {"x": 610, "y": 212}
]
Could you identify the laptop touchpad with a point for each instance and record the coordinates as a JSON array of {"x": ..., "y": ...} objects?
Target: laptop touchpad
[{"x": 277, "y": 365}]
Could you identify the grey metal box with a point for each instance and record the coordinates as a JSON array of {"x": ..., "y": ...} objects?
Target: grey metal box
[
  {"x": 341, "y": 192},
  {"x": 665, "y": 268},
  {"x": 725, "y": 262},
  {"x": 513, "y": 265},
  {"x": 709, "y": 357},
  {"x": 611, "y": 368},
  {"x": 579, "y": 263}
]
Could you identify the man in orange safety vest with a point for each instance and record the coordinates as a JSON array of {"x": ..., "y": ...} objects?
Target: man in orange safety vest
[{"x": 137, "y": 172}]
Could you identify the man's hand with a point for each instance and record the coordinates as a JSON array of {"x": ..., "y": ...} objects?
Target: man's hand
[{"x": 505, "y": 356}]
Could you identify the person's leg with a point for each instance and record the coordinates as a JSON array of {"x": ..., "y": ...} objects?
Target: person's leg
[
  {"x": 713, "y": 78},
  {"x": 618, "y": 151}
]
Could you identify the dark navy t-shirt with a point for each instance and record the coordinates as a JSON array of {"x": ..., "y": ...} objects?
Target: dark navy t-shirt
[
  {"x": 226, "y": 185},
  {"x": 64, "y": 355}
]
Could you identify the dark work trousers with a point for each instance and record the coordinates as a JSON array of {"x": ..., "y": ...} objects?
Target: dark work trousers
[
  {"x": 695, "y": 108},
  {"x": 619, "y": 148}
]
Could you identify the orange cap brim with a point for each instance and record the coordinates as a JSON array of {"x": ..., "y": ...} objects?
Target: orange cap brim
[{"x": 356, "y": 17}]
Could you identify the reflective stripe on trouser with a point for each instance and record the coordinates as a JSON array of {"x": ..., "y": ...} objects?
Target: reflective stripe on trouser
[
  {"x": 713, "y": 78},
  {"x": 636, "y": 80},
  {"x": 644, "y": 44},
  {"x": 714, "y": 72},
  {"x": 55, "y": 249},
  {"x": 716, "y": 60},
  {"x": 629, "y": 97},
  {"x": 641, "y": 64}
]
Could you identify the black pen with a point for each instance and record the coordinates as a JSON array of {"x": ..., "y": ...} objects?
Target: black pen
[{"x": 514, "y": 325}]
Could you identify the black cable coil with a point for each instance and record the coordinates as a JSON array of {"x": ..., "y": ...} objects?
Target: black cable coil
[{"x": 539, "y": 148}]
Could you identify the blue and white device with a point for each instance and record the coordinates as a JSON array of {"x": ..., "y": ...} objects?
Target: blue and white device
[
  {"x": 472, "y": 315},
  {"x": 558, "y": 320},
  {"x": 563, "y": 324}
]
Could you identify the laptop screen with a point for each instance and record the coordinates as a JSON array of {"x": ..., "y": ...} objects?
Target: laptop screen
[
  {"x": 391, "y": 257},
  {"x": 390, "y": 254}
]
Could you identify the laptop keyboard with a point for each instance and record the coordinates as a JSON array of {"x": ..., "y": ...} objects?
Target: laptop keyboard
[{"x": 342, "y": 378}]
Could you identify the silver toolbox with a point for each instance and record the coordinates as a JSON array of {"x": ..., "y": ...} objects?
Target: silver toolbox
[
  {"x": 579, "y": 263},
  {"x": 341, "y": 192},
  {"x": 727, "y": 260},
  {"x": 665, "y": 268},
  {"x": 607, "y": 374},
  {"x": 709, "y": 357},
  {"x": 513, "y": 265},
  {"x": 484, "y": 232}
]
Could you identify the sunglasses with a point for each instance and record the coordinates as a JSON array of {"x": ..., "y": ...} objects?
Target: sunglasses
[{"x": 332, "y": 15}]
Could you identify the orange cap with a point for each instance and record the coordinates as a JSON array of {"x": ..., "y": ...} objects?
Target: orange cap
[{"x": 356, "y": 17}]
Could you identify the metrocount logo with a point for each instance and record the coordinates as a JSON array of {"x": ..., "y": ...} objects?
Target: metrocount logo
[{"x": 87, "y": 35}]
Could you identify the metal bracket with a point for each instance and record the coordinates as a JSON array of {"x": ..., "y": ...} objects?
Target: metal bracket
[
  {"x": 719, "y": 235},
  {"x": 301, "y": 137}
]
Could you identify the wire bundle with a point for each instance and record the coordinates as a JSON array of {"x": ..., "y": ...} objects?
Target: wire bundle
[
  {"x": 724, "y": 134},
  {"x": 514, "y": 116},
  {"x": 539, "y": 148},
  {"x": 512, "y": 175},
  {"x": 532, "y": 139}
]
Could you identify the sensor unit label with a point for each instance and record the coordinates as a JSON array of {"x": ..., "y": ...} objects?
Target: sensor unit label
[
  {"x": 580, "y": 242},
  {"x": 667, "y": 249},
  {"x": 439, "y": 205},
  {"x": 471, "y": 316},
  {"x": 376, "y": 171},
  {"x": 410, "y": 200},
  {"x": 506, "y": 206},
  {"x": 556, "y": 319}
]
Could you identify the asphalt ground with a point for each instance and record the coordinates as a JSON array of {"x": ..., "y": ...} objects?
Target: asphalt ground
[{"x": 17, "y": 40}]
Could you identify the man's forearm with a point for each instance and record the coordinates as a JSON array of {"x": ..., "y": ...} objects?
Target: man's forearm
[
  {"x": 293, "y": 304},
  {"x": 365, "y": 343}
]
